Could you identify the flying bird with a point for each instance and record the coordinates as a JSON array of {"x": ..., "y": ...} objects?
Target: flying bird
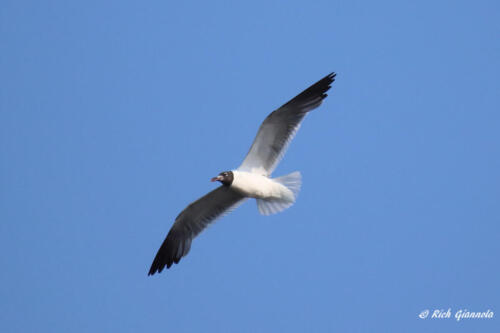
[{"x": 252, "y": 179}]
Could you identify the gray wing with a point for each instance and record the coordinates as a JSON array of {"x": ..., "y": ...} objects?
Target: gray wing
[
  {"x": 279, "y": 128},
  {"x": 190, "y": 222}
]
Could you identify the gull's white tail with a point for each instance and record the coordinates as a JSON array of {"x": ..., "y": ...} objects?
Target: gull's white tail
[{"x": 292, "y": 181}]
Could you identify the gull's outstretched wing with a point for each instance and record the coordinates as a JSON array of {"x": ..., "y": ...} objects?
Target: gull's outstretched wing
[
  {"x": 279, "y": 128},
  {"x": 190, "y": 222}
]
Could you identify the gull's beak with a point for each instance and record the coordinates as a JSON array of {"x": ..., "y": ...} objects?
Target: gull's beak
[{"x": 216, "y": 178}]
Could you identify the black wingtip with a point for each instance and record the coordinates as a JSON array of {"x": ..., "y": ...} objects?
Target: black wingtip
[
  {"x": 325, "y": 83},
  {"x": 154, "y": 268},
  {"x": 175, "y": 246},
  {"x": 312, "y": 96},
  {"x": 163, "y": 258}
]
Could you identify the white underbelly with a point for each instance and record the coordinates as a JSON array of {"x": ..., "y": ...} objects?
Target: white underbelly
[{"x": 257, "y": 186}]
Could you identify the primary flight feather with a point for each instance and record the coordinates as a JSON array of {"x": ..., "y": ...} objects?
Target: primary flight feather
[{"x": 252, "y": 179}]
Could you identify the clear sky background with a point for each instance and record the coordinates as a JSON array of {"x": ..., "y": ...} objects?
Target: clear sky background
[{"x": 114, "y": 116}]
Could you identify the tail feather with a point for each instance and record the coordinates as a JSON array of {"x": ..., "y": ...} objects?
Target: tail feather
[{"x": 293, "y": 182}]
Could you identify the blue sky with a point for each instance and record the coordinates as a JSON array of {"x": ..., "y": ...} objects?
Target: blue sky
[{"x": 114, "y": 115}]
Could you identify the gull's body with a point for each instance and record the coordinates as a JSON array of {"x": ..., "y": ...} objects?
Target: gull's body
[
  {"x": 252, "y": 179},
  {"x": 254, "y": 185}
]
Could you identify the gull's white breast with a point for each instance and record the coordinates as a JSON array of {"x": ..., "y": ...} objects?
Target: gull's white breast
[{"x": 260, "y": 187}]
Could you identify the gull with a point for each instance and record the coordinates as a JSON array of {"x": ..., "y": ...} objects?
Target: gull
[{"x": 252, "y": 179}]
